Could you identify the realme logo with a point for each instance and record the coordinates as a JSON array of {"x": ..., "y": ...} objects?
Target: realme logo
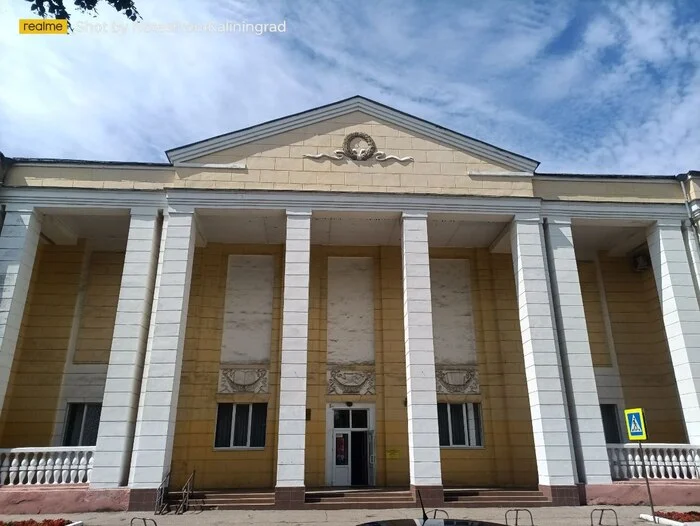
[{"x": 43, "y": 27}]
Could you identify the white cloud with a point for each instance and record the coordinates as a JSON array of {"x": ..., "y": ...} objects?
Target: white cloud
[{"x": 618, "y": 96}]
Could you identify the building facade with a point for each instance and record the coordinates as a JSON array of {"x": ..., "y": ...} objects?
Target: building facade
[{"x": 348, "y": 296}]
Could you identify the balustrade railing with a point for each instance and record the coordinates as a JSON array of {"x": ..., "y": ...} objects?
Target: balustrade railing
[
  {"x": 661, "y": 461},
  {"x": 30, "y": 466}
]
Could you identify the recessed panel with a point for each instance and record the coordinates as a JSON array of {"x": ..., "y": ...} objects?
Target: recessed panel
[
  {"x": 453, "y": 320},
  {"x": 247, "y": 331}
]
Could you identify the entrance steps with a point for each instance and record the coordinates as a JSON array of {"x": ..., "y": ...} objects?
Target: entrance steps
[
  {"x": 356, "y": 498},
  {"x": 360, "y": 498},
  {"x": 494, "y": 498},
  {"x": 226, "y": 499}
]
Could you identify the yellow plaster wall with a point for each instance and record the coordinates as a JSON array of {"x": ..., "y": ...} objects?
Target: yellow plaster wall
[
  {"x": 510, "y": 407},
  {"x": 642, "y": 353},
  {"x": 37, "y": 370},
  {"x": 391, "y": 429},
  {"x": 592, "y": 307},
  {"x": 507, "y": 458},
  {"x": 99, "y": 307},
  {"x": 277, "y": 163},
  {"x": 616, "y": 190},
  {"x": 196, "y": 413}
]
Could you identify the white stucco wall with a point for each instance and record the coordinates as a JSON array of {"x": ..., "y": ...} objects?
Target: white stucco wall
[
  {"x": 453, "y": 320},
  {"x": 350, "y": 310},
  {"x": 247, "y": 330}
]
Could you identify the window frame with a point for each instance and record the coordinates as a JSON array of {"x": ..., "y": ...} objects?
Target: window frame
[
  {"x": 233, "y": 427},
  {"x": 81, "y": 434},
  {"x": 468, "y": 431}
]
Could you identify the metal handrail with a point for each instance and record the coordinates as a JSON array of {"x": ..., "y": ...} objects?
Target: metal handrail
[
  {"x": 162, "y": 503},
  {"x": 187, "y": 490}
]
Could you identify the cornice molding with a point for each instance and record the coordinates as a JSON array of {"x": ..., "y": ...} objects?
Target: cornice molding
[
  {"x": 337, "y": 201},
  {"x": 82, "y": 198},
  {"x": 613, "y": 210},
  {"x": 184, "y": 200}
]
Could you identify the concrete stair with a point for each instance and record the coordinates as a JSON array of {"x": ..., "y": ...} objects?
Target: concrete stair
[
  {"x": 495, "y": 498},
  {"x": 226, "y": 500},
  {"x": 358, "y": 499}
]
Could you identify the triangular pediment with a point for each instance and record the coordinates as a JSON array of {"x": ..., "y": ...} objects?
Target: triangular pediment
[{"x": 322, "y": 131}]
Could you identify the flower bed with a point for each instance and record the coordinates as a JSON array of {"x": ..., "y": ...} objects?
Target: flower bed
[
  {"x": 32, "y": 522},
  {"x": 674, "y": 518},
  {"x": 680, "y": 516}
]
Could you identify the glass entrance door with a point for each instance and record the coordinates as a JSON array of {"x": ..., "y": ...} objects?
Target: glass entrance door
[{"x": 353, "y": 453}]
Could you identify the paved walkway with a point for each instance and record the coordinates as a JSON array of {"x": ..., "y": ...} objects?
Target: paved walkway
[{"x": 560, "y": 516}]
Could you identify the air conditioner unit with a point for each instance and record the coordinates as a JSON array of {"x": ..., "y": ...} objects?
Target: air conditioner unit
[{"x": 640, "y": 262}]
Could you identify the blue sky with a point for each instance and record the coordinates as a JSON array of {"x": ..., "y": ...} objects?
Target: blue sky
[{"x": 582, "y": 86}]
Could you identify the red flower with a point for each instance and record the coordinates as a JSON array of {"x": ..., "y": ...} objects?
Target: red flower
[
  {"x": 32, "y": 522},
  {"x": 680, "y": 516}
]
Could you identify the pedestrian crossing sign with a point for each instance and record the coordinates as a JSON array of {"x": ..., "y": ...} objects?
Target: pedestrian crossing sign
[{"x": 636, "y": 427}]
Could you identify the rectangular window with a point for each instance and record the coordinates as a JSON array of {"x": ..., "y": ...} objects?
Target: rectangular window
[
  {"x": 240, "y": 425},
  {"x": 459, "y": 425},
  {"x": 82, "y": 423}
]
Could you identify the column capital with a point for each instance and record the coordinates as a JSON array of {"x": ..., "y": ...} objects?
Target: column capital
[
  {"x": 411, "y": 214},
  {"x": 22, "y": 208},
  {"x": 180, "y": 210},
  {"x": 558, "y": 220},
  {"x": 667, "y": 223},
  {"x": 149, "y": 211},
  {"x": 528, "y": 218},
  {"x": 298, "y": 212}
]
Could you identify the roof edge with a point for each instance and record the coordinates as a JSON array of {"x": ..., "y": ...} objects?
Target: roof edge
[
  {"x": 642, "y": 177},
  {"x": 28, "y": 161}
]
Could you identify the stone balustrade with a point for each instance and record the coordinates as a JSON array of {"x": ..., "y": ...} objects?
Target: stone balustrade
[
  {"x": 31, "y": 466},
  {"x": 661, "y": 461}
]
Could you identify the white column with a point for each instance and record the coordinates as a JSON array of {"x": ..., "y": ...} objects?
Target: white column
[
  {"x": 295, "y": 330},
  {"x": 18, "y": 243},
  {"x": 121, "y": 394},
  {"x": 690, "y": 239},
  {"x": 155, "y": 425},
  {"x": 582, "y": 391},
  {"x": 681, "y": 314},
  {"x": 423, "y": 436},
  {"x": 553, "y": 451}
]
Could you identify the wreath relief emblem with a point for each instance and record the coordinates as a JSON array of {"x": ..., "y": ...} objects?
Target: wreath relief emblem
[
  {"x": 353, "y": 146},
  {"x": 358, "y": 146}
]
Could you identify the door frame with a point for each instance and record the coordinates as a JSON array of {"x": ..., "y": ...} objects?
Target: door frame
[{"x": 371, "y": 407}]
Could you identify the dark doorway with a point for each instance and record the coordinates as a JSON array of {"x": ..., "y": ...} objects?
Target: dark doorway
[
  {"x": 359, "y": 475},
  {"x": 611, "y": 427}
]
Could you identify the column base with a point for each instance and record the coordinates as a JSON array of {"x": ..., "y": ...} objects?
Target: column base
[
  {"x": 432, "y": 496},
  {"x": 563, "y": 495},
  {"x": 290, "y": 498},
  {"x": 142, "y": 499}
]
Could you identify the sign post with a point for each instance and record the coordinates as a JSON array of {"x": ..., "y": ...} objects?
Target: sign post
[{"x": 637, "y": 432}]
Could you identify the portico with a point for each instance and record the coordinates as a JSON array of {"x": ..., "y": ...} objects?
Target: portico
[{"x": 200, "y": 321}]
